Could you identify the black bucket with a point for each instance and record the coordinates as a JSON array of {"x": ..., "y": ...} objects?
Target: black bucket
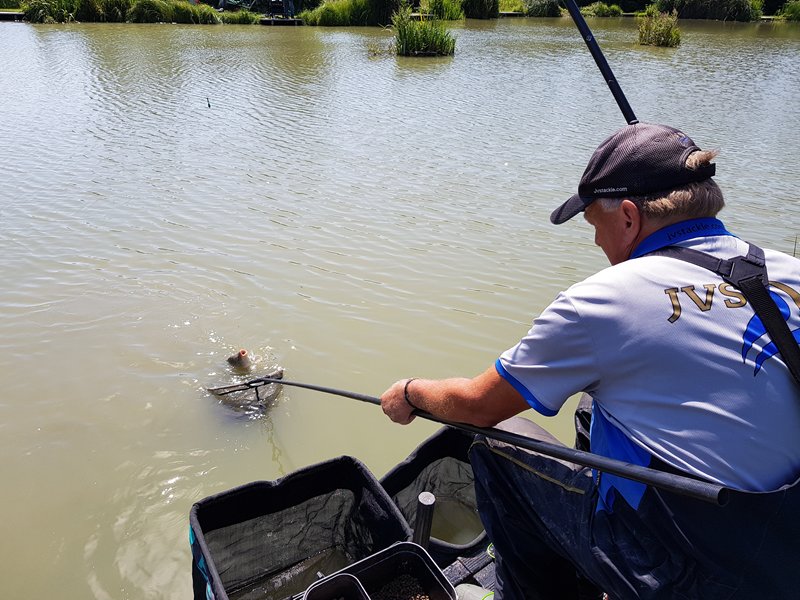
[
  {"x": 272, "y": 539},
  {"x": 440, "y": 465}
]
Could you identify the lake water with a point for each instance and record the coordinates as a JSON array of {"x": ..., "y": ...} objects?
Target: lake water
[{"x": 171, "y": 194}]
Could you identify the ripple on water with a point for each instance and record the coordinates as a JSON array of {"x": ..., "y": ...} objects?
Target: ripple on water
[{"x": 354, "y": 218}]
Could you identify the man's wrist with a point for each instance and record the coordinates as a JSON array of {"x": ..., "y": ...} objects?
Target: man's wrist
[{"x": 406, "y": 393}]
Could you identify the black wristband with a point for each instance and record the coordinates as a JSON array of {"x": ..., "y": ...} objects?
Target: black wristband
[{"x": 405, "y": 393}]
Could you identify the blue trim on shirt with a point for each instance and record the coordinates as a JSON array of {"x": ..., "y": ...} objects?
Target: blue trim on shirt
[
  {"x": 680, "y": 232},
  {"x": 607, "y": 440},
  {"x": 524, "y": 392}
]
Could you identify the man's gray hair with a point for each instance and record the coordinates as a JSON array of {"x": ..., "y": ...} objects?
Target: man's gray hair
[{"x": 691, "y": 201}]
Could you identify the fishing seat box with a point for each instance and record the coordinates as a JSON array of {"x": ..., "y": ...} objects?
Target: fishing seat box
[{"x": 272, "y": 539}]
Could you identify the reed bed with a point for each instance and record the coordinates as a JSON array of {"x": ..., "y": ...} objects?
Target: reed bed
[
  {"x": 658, "y": 28},
  {"x": 420, "y": 38}
]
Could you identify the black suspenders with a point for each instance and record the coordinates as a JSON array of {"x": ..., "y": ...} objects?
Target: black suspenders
[{"x": 749, "y": 275}]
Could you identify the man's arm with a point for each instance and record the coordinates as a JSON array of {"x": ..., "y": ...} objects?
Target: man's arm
[{"x": 483, "y": 401}]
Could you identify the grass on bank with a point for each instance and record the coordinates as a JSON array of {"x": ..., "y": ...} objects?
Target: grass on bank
[
  {"x": 172, "y": 11},
  {"x": 132, "y": 11}
]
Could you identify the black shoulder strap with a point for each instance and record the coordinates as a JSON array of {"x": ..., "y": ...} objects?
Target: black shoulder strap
[{"x": 749, "y": 275}]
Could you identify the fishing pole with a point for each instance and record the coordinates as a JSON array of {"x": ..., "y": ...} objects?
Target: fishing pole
[
  {"x": 601, "y": 61},
  {"x": 686, "y": 486}
]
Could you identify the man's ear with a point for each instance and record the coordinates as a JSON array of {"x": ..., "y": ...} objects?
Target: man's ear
[{"x": 632, "y": 217}]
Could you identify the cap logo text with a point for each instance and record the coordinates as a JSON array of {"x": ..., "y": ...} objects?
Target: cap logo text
[{"x": 610, "y": 189}]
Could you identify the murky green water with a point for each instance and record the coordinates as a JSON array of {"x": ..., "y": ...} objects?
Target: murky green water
[{"x": 173, "y": 193}]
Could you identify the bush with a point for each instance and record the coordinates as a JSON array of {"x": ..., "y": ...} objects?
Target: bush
[
  {"x": 659, "y": 29},
  {"x": 420, "y": 38},
  {"x": 446, "y": 10},
  {"x": 721, "y": 10},
  {"x": 481, "y": 9},
  {"x": 542, "y": 8},
  {"x": 601, "y": 9},
  {"x": 791, "y": 10},
  {"x": 9, "y": 3}
]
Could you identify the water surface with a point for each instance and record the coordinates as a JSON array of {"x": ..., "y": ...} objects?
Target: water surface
[{"x": 173, "y": 193}]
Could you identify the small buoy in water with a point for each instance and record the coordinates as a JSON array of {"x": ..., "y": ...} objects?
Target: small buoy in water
[{"x": 241, "y": 361}]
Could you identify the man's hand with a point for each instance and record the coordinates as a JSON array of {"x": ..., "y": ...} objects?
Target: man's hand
[
  {"x": 484, "y": 400},
  {"x": 394, "y": 405}
]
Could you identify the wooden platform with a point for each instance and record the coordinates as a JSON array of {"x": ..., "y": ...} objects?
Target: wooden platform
[
  {"x": 280, "y": 21},
  {"x": 11, "y": 16}
]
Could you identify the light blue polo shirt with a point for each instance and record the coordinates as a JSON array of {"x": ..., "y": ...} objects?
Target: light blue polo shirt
[{"x": 676, "y": 364}]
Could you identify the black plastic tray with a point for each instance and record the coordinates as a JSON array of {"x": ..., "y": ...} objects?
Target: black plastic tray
[{"x": 402, "y": 558}]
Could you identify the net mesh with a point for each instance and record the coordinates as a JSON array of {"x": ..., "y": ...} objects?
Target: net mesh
[
  {"x": 440, "y": 465},
  {"x": 271, "y": 540}
]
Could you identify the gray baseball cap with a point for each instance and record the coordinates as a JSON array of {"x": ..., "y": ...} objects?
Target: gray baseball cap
[{"x": 639, "y": 159}]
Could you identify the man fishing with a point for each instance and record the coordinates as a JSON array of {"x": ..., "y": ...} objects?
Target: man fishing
[{"x": 678, "y": 374}]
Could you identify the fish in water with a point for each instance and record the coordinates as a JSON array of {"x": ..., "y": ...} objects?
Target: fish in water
[
  {"x": 250, "y": 397},
  {"x": 241, "y": 361}
]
